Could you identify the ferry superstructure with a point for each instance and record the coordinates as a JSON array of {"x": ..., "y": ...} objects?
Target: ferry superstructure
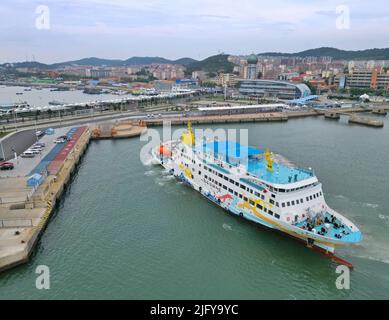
[{"x": 259, "y": 186}]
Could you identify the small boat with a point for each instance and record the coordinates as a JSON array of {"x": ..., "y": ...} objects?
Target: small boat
[{"x": 56, "y": 103}]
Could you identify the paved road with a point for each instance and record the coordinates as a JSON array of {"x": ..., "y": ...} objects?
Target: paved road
[{"x": 19, "y": 141}]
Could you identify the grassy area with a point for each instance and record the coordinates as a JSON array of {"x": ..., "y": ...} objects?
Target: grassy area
[{"x": 3, "y": 134}]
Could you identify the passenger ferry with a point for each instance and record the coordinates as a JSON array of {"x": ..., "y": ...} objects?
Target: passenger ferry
[{"x": 259, "y": 186}]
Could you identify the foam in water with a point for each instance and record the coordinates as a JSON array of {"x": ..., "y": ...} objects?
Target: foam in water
[
  {"x": 227, "y": 227},
  {"x": 371, "y": 205},
  {"x": 383, "y": 217},
  {"x": 150, "y": 173}
]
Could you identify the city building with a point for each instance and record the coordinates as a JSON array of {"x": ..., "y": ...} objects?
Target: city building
[
  {"x": 376, "y": 79},
  {"x": 100, "y": 73},
  {"x": 252, "y": 68},
  {"x": 199, "y": 75},
  {"x": 274, "y": 89},
  {"x": 227, "y": 79}
]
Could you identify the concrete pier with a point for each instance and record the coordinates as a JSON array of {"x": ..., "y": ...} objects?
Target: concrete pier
[
  {"x": 379, "y": 111},
  {"x": 332, "y": 115},
  {"x": 366, "y": 121},
  {"x": 118, "y": 130},
  {"x": 25, "y": 211}
]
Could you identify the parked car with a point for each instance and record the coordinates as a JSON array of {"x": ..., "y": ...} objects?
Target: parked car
[
  {"x": 27, "y": 154},
  {"x": 59, "y": 141},
  {"x": 34, "y": 151},
  {"x": 39, "y": 133},
  {"x": 6, "y": 166},
  {"x": 39, "y": 144},
  {"x": 63, "y": 137}
]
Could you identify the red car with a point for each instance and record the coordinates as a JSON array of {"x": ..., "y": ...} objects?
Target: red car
[{"x": 6, "y": 165}]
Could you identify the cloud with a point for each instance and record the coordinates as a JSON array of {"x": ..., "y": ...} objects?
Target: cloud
[{"x": 197, "y": 28}]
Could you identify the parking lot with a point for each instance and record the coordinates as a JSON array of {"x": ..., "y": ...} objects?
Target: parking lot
[{"x": 23, "y": 166}]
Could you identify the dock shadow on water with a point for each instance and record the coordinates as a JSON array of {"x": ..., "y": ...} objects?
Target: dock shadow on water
[{"x": 119, "y": 234}]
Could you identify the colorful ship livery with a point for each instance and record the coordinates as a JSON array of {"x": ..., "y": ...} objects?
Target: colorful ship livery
[{"x": 259, "y": 186}]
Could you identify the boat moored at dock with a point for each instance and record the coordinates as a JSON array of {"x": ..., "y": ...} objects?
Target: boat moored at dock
[{"x": 259, "y": 186}]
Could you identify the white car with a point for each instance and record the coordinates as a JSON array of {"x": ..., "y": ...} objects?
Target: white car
[
  {"x": 59, "y": 141},
  {"x": 34, "y": 150},
  {"x": 27, "y": 154}
]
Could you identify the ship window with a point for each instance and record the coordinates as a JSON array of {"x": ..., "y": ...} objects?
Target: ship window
[
  {"x": 225, "y": 178},
  {"x": 277, "y": 204},
  {"x": 288, "y": 204},
  {"x": 271, "y": 201},
  {"x": 273, "y": 195},
  {"x": 321, "y": 193},
  {"x": 224, "y": 187},
  {"x": 281, "y": 190},
  {"x": 310, "y": 197},
  {"x": 262, "y": 197},
  {"x": 231, "y": 181},
  {"x": 237, "y": 183},
  {"x": 240, "y": 196},
  {"x": 293, "y": 203},
  {"x": 297, "y": 201},
  {"x": 206, "y": 177},
  {"x": 270, "y": 212},
  {"x": 243, "y": 187},
  {"x": 252, "y": 202},
  {"x": 235, "y": 193},
  {"x": 307, "y": 198},
  {"x": 277, "y": 216},
  {"x": 220, "y": 175},
  {"x": 283, "y": 204},
  {"x": 259, "y": 207},
  {"x": 245, "y": 199},
  {"x": 199, "y": 173},
  {"x": 301, "y": 200},
  {"x": 257, "y": 194},
  {"x": 230, "y": 190},
  {"x": 220, "y": 184},
  {"x": 265, "y": 209}
]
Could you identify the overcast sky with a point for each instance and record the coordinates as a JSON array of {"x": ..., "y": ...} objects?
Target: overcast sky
[{"x": 184, "y": 28}]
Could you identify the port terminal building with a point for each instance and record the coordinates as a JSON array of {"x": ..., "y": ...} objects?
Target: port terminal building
[
  {"x": 232, "y": 110},
  {"x": 274, "y": 89}
]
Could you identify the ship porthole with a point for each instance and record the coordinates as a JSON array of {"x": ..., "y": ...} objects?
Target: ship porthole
[{"x": 241, "y": 214}]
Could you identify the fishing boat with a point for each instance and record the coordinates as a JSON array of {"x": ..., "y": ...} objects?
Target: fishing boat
[{"x": 260, "y": 186}]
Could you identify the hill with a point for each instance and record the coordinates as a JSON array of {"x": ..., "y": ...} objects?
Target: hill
[
  {"x": 337, "y": 54},
  {"x": 98, "y": 62},
  {"x": 213, "y": 64}
]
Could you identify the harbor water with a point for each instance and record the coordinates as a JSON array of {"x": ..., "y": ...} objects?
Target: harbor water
[
  {"x": 125, "y": 230},
  {"x": 42, "y": 97}
]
